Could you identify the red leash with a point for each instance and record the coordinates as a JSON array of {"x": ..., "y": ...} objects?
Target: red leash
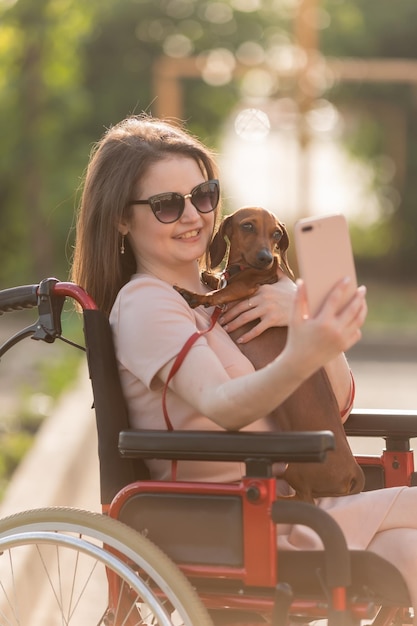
[{"x": 175, "y": 367}]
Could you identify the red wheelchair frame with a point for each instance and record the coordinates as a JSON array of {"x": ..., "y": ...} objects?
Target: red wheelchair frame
[{"x": 223, "y": 536}]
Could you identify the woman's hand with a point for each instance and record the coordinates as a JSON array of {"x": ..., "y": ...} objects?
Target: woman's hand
[
  {"x": 271, "y": 304},
  {"x": 314, "y": 341}
]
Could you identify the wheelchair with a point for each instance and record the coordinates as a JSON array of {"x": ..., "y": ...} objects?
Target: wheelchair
[{"x": 218, "y": 541}]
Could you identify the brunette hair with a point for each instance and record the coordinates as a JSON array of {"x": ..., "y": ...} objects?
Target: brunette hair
[{"x": 117, "y": 164}]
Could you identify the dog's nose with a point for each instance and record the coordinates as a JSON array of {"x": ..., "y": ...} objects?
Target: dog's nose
[{"x": 265, "y": 257}]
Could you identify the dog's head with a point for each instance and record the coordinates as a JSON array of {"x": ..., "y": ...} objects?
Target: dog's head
[{"x": 255, "y": 236}]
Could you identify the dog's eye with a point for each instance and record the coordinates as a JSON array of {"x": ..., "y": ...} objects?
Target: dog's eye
[
  {"x": 248, "y": 226},
  {"x": 277, "y": 235}
]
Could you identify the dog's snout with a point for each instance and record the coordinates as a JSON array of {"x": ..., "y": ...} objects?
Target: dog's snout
[
  {"x": 265, "y": 257},
  {"x": 357, "y": 482}
]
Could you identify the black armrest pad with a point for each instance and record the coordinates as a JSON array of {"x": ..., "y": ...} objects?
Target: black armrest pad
[
  {"x": 382, "y": 423},
  {"x": 226, "y": 446}
]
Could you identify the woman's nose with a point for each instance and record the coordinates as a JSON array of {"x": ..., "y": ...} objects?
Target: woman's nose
[{"x": 190, "y": 212}]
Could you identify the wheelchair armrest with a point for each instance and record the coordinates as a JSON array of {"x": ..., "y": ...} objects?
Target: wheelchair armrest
[
  {"x": 226, "y": 445},
  {"x": 388, "y": 423}
]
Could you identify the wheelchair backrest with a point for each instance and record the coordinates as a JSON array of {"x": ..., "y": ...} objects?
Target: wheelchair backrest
[{"x": 110, "y": 408}]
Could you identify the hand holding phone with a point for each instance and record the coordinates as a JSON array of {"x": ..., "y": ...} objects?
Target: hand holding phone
[{"x": 324, "y": 254}]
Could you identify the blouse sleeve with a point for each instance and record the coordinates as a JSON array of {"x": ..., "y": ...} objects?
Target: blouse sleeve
[{"x": 150, "y": 322}]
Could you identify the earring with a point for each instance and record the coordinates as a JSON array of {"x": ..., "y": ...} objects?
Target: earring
[{"x": 122, "y": 245}]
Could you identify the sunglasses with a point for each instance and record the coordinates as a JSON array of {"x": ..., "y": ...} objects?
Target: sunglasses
[{"x": 168, "y": 207}]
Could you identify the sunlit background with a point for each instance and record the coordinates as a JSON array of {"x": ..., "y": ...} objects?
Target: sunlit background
[{"x": 263, "y": 165}]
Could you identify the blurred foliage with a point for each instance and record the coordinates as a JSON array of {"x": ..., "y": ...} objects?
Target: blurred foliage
[
  {"x": 14, "y": 446},
  {"x": 359, "y": 28},
  {"x": 71, "y": 68}
]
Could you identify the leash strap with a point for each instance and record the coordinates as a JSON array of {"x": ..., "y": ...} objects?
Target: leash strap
[{"x": 174, "y": 369}]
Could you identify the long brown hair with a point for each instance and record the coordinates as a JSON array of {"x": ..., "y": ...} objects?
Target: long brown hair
[{"x": 117, "y": 164}]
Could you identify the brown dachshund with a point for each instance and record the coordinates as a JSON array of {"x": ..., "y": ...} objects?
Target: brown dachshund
[{"x": 258, "y": 244}]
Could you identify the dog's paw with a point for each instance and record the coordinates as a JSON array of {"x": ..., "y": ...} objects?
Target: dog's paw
[{"x": 193, "y": 299}]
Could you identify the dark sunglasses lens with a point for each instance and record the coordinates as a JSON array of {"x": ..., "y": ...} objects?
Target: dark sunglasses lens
[
  {"x": 167, "y": 207},
  {"x": 205, "y": 197}
]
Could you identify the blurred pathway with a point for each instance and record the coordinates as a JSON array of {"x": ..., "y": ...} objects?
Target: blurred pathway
[{"x": 61, "y": 469}]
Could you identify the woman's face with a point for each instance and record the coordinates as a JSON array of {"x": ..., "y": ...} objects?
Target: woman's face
[{"x": 166, "y": 249}]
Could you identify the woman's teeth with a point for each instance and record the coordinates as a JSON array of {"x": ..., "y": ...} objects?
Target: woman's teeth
[{"x": 191, "y": 233}]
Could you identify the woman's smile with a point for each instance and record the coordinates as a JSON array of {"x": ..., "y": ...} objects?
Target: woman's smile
[{"x": 191, "y": 234}]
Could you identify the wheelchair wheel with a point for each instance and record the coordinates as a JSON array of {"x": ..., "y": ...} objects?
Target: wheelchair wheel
[{"x": 61, "y": 566}]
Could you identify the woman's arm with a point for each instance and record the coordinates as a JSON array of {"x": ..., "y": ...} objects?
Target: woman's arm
[
  {"x": 272, "y": 305},
  {"x": 312, "y": 342}
]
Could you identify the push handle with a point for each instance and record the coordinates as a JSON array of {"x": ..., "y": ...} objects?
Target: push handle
[
  {"x": 18, "y": 298},
  {"x": 28, "y": 296}
]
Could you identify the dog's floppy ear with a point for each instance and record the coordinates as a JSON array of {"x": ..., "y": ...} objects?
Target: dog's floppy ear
[
  {"x": 283, "y": 245},
  {"x": 218, "y": 246}
]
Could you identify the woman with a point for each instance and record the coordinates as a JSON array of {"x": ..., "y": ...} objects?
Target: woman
[{"x": 147, "y": 216}]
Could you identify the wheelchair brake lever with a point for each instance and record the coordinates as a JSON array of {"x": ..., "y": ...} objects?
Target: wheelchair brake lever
[{"x": 48, "y": 327}]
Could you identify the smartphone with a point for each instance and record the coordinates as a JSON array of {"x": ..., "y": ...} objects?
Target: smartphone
[{"x": 324, "y": 256}]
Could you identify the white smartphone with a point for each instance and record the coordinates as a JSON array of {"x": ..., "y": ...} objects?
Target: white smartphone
[{"x": 324, "y": 255}]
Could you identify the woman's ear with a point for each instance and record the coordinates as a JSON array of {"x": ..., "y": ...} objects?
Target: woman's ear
[{"x": 123, "y": 228}]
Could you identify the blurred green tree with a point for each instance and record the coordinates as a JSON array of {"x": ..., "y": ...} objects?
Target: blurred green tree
[{"x": 43, "y": 101}]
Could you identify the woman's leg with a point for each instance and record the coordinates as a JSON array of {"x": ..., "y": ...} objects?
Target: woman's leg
[
  {"x": 396, "y": 540},
  {"x": 399, "y": 547},
  {"x": 403, "y": 512}
]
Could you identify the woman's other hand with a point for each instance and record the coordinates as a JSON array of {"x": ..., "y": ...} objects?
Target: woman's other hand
[{"x": 271, "y": 305}]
